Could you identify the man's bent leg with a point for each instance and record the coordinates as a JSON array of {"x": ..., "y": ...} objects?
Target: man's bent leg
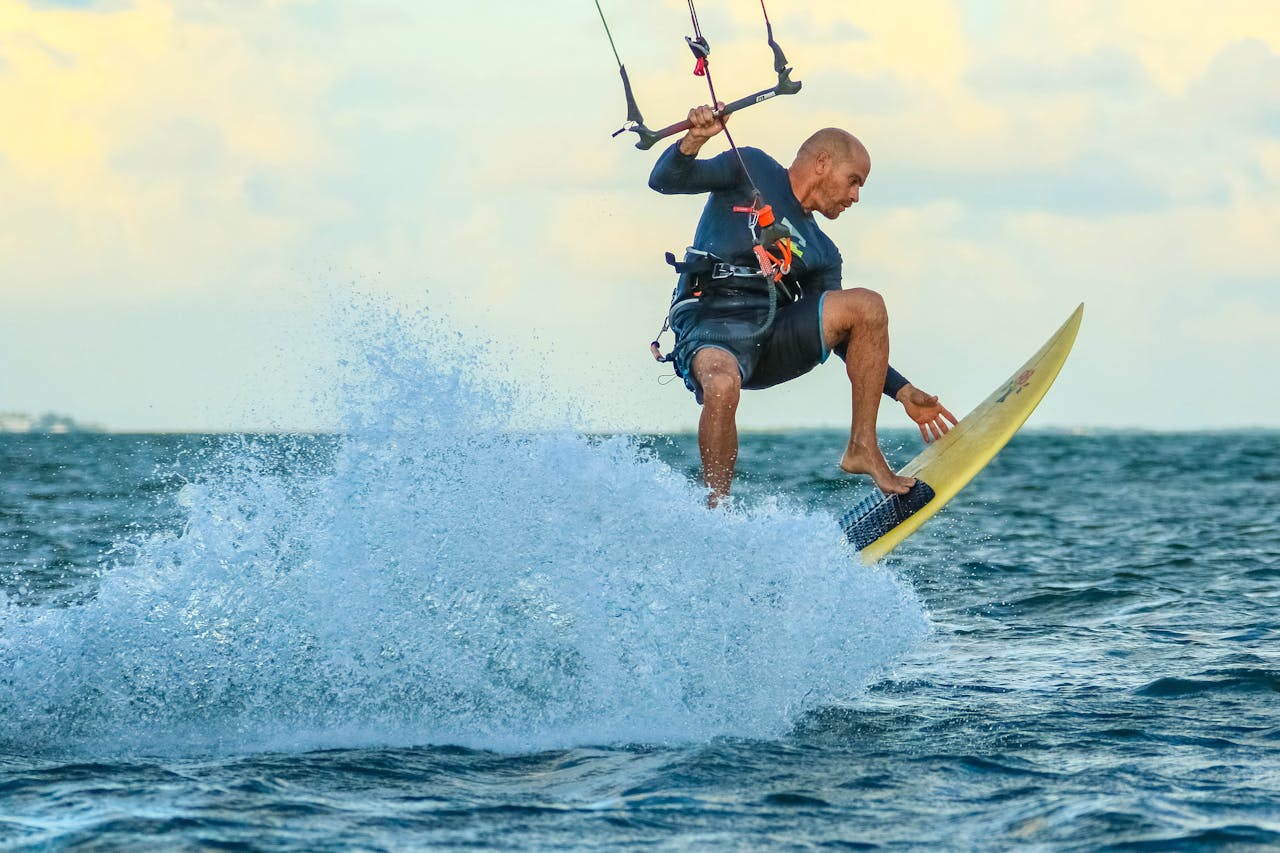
[
  {"x": 858, "y": 319},
  {"x": 717, "y": 373}
]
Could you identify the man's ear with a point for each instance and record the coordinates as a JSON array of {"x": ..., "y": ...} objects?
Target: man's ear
[{"x": 821, "y": 162}]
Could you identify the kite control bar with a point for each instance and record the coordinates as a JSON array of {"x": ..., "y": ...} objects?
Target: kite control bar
[
  {"x": 649, "y": 138},
  {"x": 701, "y": 50}
]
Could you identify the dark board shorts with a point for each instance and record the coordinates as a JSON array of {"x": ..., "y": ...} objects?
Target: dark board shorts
[{"x": 791, "y": 348}]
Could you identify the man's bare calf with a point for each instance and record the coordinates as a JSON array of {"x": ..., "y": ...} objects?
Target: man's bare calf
[{"x": 717, "y": 373}]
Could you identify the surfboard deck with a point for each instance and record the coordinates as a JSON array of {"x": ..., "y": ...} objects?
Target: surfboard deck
[{"x": 947, "y": 465}]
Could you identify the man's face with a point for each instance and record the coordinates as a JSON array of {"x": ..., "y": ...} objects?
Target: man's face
[{"x": 841, "y": 183}]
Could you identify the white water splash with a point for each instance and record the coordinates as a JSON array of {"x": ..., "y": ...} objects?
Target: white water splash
[{"x": 445, "y": 578}]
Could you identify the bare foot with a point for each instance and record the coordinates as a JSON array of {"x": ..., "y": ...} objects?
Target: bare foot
[{"x": 860, "y": 459}]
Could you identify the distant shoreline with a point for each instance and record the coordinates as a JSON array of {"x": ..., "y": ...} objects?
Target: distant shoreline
[{"x": 47, "y": 423}]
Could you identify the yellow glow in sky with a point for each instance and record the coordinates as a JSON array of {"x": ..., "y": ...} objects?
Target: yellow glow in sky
[{"x": 186, "y": 184}]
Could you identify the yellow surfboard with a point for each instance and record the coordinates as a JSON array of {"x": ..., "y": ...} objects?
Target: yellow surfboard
[{"x": 947, "y": 465}]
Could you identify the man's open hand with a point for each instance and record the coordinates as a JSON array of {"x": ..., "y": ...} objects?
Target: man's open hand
[{"x": 930, "y": 415}]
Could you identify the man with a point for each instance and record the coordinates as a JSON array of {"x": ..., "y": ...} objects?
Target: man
[{"x": 735, "y": 330}]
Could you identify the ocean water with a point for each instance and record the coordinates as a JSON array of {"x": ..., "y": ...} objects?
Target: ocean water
[{"x": 439, "y": 629}]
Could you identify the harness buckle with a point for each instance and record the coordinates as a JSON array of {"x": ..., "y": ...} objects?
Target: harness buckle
[{"x": 722, "y": 270}]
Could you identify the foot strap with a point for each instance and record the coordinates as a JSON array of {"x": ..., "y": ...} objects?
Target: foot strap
[{"x": 878, "y": 513}]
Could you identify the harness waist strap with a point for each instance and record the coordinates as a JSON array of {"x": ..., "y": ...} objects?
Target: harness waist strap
[
  {"x": 698, "y": 262},
  {"x": 724, "y": 270}
]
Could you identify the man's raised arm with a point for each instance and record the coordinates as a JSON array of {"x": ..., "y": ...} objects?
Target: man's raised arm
[{"x": 679, "y": 171}]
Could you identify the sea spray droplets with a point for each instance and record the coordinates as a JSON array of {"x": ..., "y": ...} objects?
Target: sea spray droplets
[{"x": 435, "y": 576}]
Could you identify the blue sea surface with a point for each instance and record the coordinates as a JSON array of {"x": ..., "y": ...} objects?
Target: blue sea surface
[{"x": 433, "y": 630}]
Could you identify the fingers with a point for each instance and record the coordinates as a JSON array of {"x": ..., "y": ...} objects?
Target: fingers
[
  {"x": 707, "y": 121},
  {"x": 931, "y": 418},
  {"x": 704, "y": 116},
  {"x": 932, "y": 429}
]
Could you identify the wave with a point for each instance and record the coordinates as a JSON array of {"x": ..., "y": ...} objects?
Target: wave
[
  {"x": 439, "y": 575},
  {"x": 1246, "y": 680}
]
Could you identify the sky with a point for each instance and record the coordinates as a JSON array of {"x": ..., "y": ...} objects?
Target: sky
[{"x": 188, "y": 186}]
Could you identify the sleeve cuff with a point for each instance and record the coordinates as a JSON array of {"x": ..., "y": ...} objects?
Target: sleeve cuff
[{"x": 894, "y": 382}]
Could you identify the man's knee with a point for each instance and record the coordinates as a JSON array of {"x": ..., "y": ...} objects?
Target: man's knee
[
  {"x": 857, "y": 308},
  {"x": 721, "y": 389},
  {"x": 867, "y": 306},
  {"x": 717, "y": 373}
]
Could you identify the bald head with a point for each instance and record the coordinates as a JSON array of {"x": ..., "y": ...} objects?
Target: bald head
[
  {"x": 838, "y": 145},
  {"x": 829, "y": 171}
]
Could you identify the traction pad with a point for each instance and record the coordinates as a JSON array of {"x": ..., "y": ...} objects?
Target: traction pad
[{"x": 878, "y": 513}]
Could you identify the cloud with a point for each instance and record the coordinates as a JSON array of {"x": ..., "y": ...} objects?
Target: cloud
[
  {"x": 1239, "y": 90},
  {"x": 1095, "y": 184},
  {"x": 98, "y": 5},
  {"x": 201, "y": 170},
  {"x": 1173, "y": 44},
  {"x": 1105, "y": 70}
]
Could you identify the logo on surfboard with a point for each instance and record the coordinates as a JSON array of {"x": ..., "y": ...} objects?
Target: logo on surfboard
[{"x": 1015, "y": 386}]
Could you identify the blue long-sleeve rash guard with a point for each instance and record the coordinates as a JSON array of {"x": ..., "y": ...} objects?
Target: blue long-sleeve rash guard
[{"x": 816, "y": 265}]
